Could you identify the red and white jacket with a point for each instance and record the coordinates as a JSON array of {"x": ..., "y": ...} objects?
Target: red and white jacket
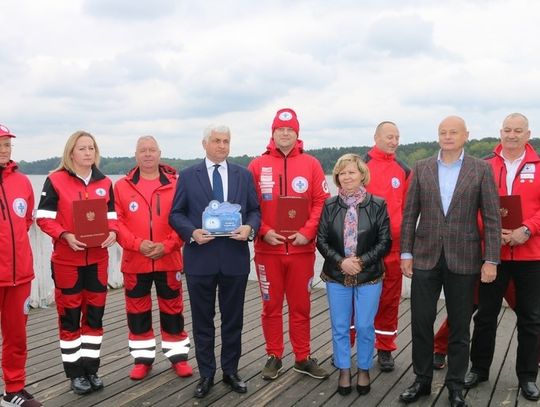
[
  {"x": 55, "y": 213},
  {"x": 16, "y": 207},
  {"x": 527, "y": 185},
  {"x": 297, "y": 174},
  {"x": 140, "y": 220},
  {"x": 389, "y": 179}
]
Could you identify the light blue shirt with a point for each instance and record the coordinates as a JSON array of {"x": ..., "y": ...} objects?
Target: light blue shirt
[{"x": 448, "y": 176}]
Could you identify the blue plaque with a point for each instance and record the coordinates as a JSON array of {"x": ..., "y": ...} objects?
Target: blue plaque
[{"x": 221, "y": 219}]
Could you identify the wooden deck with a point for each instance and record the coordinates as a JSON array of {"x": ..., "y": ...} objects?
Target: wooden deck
[{"x": 47, "y": 382}]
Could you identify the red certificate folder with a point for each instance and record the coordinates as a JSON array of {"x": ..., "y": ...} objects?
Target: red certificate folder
[
  {"x": 510, "y": 208},
  {"x": 292, "y": 214},
  {"x": 90, "y": 221}
]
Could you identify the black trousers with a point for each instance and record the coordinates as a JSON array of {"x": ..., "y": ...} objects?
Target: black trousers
[
  {"x": 202, "y": 297},
  {"x": 426, "y": 288},
  {"x": 526, "y": 276}
]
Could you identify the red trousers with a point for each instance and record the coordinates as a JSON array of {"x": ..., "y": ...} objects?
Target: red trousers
[
  {"x": 386, "y": 320},
  {"x": 142, "y": 342},
  {"x": 290, "y": 277},
  {"x": 14, "y": 307},
  {"x": 440, "y": 344},
  {"x": 80, "y": 293}
]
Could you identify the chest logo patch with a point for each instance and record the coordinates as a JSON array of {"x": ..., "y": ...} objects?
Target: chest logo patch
[
  {"x": 133, "y": 206},
  {"x": 395, "y": 183},
  {"x": 100, "y": 192},
  {"x": 299, "y": 185},
  {"x": 528, "y": 169},
  {"x": 20, "y": 207}
]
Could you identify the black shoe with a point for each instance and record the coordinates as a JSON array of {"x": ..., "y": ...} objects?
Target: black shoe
[
  {"x": 414, "y": 392},
  {"x": 81, "y": 385},
  {"x": 344, "y": 377},
  {"x": 472, "y": 379},
  {"x": 363, "y": 390},
  {"x": 344, "y": 390},
  {"x": 385, "y": 360},
  {"x": 456, "y": 399},
  {"x": 529, "y": 390},
  {"x": 203, "y": 387},
  {"x": 236, "y": 383},
  {"x": 95, "y": 381},
  {"x": 439, "y": 361}
]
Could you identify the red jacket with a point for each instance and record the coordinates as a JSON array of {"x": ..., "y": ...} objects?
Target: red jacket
[
  {"x": 527, "y": 184},
  {"x": 139, "y": 219},
  {"x": 16, "y": 205},
  {"x": 297, "y": 174},
  {"x": 55, "y": 213},
  {"x": 389, "y": 180}
]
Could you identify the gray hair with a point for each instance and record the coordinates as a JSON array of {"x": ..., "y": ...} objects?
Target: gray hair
[
  {"x": 518, "y": 115},
  {"x": 218, "y": 128},
  {"x": 151, "y": 138}
]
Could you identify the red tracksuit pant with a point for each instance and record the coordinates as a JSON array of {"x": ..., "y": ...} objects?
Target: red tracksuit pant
[
  {"x": 290, "y": 277},
  {"x": 14, "y": 307},
  {"x": 142, "y": 342},
  {"x": 386, "y": 320},
  {"x": 80, "y": 293}
]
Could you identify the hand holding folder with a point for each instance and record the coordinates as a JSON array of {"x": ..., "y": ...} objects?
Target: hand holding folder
[
  {"x": 511, "y": 213},
  {"x": 292, "y": 214},
  {"x": 90, "y": 221}
]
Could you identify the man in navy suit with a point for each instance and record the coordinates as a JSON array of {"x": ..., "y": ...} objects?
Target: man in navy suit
[{"x": 211, "y": 262}]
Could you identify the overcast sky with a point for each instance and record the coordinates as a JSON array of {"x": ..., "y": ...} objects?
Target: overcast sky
[{"x": 125, "y": 68}]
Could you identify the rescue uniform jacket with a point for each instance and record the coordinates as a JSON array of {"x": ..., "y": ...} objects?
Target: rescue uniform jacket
[
  {"x": 389, "y": 180},
  {"x": 527, "y": 185},
  {"x": 297, "y": 174},
  {"x": 55, "y": 213},
  {"x": 373, "y": 241},
  {"x": 16, "y": 205},
  {"x": 140, "y": 220}
]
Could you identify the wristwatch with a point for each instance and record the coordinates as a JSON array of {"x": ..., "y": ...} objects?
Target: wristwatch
[
  {"x": 251, "y": 235},
  {"x": 526, "y": 231}
]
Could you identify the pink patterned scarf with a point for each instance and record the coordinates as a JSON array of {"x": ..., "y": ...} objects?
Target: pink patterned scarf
[{"x": 350, "y": 229}]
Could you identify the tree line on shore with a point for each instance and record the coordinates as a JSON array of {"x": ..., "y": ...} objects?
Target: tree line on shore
[{"x": 409, "y": 153}]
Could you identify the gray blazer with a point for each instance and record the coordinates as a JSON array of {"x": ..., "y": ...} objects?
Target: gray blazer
[{"x": 458, "y": 233}]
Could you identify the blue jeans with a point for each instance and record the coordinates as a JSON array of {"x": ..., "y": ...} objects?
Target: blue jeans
[{"x": 366, "y": 303}]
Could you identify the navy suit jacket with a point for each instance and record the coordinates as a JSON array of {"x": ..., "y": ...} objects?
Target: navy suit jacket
[{"x": 193, "y": 193}]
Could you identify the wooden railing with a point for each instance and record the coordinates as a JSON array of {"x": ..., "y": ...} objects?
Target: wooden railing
[{"x": 43, "y": 288}]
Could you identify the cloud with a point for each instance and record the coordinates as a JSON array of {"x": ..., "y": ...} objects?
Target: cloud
[
  {"x": 402, "y": 36},
  {"x": 130, "y": 9},
  {"x": 121, "y": 69}
]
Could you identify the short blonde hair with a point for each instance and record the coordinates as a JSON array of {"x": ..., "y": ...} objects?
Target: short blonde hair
[
  {"x": 347, "y": 159},
  {"x": 67, "y": 162}
]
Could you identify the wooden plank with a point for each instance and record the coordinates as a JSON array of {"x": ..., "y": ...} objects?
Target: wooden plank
[{"x": 163, "y": 388}]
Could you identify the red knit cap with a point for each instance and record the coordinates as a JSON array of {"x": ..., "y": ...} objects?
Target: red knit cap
[
  {"x": 286, "y": 118},
  {"x": 4, "y": 131}
]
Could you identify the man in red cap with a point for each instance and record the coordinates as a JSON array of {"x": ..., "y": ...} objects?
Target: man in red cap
[
  {"x": 285, "y": 260},
  {"x": 16, "y": 273}
]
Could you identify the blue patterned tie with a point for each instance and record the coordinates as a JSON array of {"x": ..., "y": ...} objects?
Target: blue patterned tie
[{"x": 217, "y": 183}]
